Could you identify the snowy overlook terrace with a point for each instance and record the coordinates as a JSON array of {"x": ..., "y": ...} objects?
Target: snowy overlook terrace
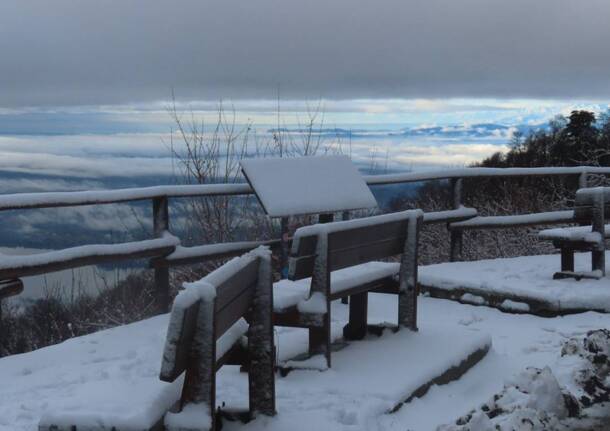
[{"x": 165, "y": 250}]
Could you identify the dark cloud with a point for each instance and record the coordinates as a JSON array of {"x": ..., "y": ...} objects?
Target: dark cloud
[{"x": 94, "y": 52}]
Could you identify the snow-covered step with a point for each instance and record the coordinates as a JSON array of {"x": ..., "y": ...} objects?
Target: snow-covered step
[{"x": 521, "y": 284}]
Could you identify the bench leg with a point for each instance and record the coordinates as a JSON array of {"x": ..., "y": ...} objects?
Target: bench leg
[
  {"x": 319, "y": 340},
  {"x": 358, "y": 307},
  {"x": 407, "y": 309},
  {"x": 567, "y": 259},
  {"x": 598, "y": 261},
  {"x": 261, "y": 348}
]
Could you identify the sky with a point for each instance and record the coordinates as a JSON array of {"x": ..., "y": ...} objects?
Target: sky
[
  {"x": 86, "y": 52},
  {"x": 85, "y": 85}
]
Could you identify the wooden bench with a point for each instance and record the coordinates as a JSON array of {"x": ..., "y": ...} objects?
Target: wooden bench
[
  {"x": 590, "y": 210},
  {"x": 320, "y": 249},
  {"x": 204, "y": 331}
]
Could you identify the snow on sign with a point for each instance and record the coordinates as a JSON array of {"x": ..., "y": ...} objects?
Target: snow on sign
[{"x": 307, "y": 185}]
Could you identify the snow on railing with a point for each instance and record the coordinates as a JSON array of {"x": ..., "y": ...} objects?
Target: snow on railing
[
  {"x": 94, "y": 197},
  {"x": 410, "y": 177}
]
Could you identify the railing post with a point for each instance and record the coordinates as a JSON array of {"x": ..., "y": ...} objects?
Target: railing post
[
  {"x": 583, "y": 180},
  {"x": 455, "y": 252},
  {"x": 347, "y": 299},
  {"x": 161, "y": 225},
  {"x": 284, "y": 238}
]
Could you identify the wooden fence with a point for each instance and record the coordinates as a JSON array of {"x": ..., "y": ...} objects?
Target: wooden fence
[{"x": 164, "y": 250}]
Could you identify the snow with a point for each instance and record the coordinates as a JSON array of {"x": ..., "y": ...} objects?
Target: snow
[
  {"x": 571, "y": 393},
  {"x": 575, "y": 233},
  {"x": 70, "y": 376},
  {"x": 437, "y": 174},
  {"x": 442, "y": 216},
  {"x": 91, "y": 197},
  {"x": 473, "y": 299},
  {"x": 310, "y": 185},
  {"x": 210, "y": 249},
  {"x": 348, "y": 383},
  {"x": 220, "y": 275},
  {"x": 193, "y": 416},
  {"x": 111, "y": 374},
  {"x": 288, "y": 293},
  {"x": 316, "y": 303},
  {"x": 232, "y": 336},
  {"x": 508, "y": 304},
  {"x": 526, "y": 277},
  {"x": 590, "y": 192},
  {"x": 521, "y": 219},
  {"x": 38, "y": 259}
]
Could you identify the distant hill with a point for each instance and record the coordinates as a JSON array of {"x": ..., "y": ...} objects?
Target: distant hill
[{"x": 477, "y": 130}]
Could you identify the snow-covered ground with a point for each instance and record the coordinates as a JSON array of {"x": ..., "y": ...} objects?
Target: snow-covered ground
[
  {"x": 528, "y": 277},
  {"x": 61, "y": 378}
]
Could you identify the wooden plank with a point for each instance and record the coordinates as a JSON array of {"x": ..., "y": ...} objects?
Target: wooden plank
[
  {"x": 58, "y": 263},
  {"x": 160, "y": 227},
  {"x": 233, "y": 285},
  {"x": 10, "y": 288},
  {"x": 584, "y": 212},
  {"x": 178, "y": 352},
  {"x": 456, "y": 239},
  {"x": 381, "y": 285},
  {"x": 233, "y": 311},
  {"x": 349, "y": 247}
]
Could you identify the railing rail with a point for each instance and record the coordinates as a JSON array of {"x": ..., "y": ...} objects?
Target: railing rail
[
  {"x": 164, "y": 257},
  {"x": 96, "y": 197}
]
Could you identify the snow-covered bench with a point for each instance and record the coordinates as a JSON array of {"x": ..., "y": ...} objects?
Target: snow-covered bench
[
  {"x": 204, "y": 332},
  {"x": 590, "y": 209},
  {"x": 339, "y": 259}
]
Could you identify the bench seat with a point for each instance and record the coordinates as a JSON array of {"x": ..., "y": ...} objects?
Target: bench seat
[
  {"x": 119, "y": 384},
  {"x": 574, "y": 233},
  {"x": 287, "y": 294}
]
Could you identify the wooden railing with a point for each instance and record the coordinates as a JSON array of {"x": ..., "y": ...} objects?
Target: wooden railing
[{"x": 165, "y": 251}]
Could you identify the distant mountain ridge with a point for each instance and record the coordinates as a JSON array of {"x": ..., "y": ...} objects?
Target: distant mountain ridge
[{"x": 475, "y": 130}]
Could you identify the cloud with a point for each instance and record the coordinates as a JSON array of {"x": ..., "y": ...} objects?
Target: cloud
[{"x": 108, "y": 52}]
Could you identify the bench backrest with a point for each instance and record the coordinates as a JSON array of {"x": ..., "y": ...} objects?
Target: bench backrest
[
  {"x": 232, "y": 288},
  {"x": 204, "y": 312},
  {"x": 352, "y": 242},
  {"x": 588, "y": 199}
]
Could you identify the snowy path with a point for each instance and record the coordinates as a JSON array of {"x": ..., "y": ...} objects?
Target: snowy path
[{"x": 306, "y": 399}]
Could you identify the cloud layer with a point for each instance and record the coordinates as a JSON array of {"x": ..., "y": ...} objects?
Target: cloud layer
[{"x": 70, "y": 53}]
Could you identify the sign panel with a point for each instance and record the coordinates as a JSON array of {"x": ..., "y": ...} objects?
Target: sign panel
[{"x": 307, "y": 185}]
